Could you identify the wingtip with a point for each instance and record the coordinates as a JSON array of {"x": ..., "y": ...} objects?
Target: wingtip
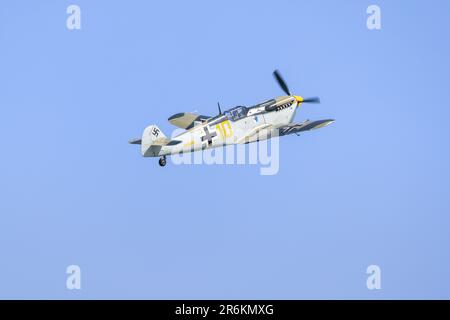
[
  {"x": 328, "y": 122},
  {"x": 175, "y": 116}
]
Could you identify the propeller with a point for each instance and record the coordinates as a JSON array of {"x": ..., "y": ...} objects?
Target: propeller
[
  {"x": 311, "y": 100},
  {"x": 218, "y": 105},
  {"x": 285, "y": 88},
  {"x": 281, "y": 82}
]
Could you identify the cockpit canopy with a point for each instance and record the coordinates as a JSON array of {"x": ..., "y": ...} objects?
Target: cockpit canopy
[{"x": 236, "y": 113}]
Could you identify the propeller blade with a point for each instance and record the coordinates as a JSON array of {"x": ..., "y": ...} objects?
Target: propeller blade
[
  {"x": 281, "y": 82},
  {"x": 218, "y": 105},
  {"x": 311, "y": 100}
]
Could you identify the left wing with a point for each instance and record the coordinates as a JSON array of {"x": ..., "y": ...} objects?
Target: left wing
[
  {"x": 304, "y": 126},
  {"x": 187, "y": 120}
]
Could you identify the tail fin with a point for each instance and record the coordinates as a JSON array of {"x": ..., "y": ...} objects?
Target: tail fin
[{"x": 152, "y": 141}]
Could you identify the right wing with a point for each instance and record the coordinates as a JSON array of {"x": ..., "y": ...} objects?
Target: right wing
[
  {"x": 186, "y": 120},
  {"x": 304, "y": 126},
  {"x": 253, "y": 132}
]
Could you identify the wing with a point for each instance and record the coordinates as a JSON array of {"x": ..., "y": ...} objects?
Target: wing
[
  {"x": 304, "y": 126},
  {"x": 252, "y": 133},
  {"x": 186, "y": 120}
]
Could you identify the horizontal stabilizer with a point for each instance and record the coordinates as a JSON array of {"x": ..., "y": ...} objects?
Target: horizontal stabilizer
[{"x": 135, "y": 141}]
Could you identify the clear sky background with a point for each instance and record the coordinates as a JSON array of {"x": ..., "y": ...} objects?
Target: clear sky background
[{"x": 373, "y": 188}]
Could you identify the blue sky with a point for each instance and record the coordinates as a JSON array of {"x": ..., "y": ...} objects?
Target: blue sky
[{"x": 370, "y": 189}]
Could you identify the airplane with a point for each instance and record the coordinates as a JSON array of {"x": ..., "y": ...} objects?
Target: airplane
[{"x": 238, "y": 125}]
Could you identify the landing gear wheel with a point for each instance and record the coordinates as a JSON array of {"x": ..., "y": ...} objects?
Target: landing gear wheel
[{"x": 162, "y": 161}]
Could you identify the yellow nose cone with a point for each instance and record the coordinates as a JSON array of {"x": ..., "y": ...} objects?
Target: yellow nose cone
[{"x": 299, "y": 99}]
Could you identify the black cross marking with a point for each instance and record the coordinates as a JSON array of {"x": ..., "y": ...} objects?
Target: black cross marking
[{"x": 208, "y": 136}]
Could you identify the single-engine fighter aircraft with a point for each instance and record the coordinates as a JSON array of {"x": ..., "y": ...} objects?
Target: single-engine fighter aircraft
[{"x": 238, "y": 125}]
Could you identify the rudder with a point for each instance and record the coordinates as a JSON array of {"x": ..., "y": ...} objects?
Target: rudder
[{"x": 152, "y": 141}]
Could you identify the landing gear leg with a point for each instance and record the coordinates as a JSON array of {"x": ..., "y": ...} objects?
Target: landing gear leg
[{"x": 162, "y": 161}]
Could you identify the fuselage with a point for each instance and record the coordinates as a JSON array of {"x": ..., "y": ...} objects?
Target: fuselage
[{"x": 238, "y": 125}]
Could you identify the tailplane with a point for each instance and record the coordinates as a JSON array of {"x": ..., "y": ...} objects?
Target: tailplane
[{"x": 153, "y": 139}]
